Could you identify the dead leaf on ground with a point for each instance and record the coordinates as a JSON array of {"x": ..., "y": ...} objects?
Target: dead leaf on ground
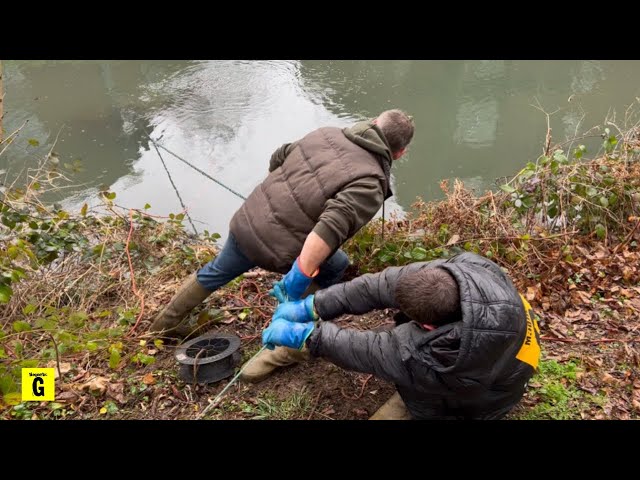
[
  {"x": 67, "y": 397},
  {"x": 116, "y": 391},
  {"x": 584, "y": 296},
  {"x": 453, "y": 240},
  {"x": 96, "y": 384},
  {"x": 148, "y": 379},
  {"x": 635, "y": 303},
  {"x": 627, "y": 273},
  {"x": 601, "y": 253},
  {"x": 531, "y": 294},
  {"x": 64, "y": 368},
  {"x": 577, "y": 315}
]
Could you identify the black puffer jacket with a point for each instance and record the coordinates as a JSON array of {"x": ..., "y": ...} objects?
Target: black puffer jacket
[{"x": 466, "y": 369}]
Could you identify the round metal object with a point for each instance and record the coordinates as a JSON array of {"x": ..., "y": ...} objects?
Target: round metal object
[{"x": 208, "y": 358}]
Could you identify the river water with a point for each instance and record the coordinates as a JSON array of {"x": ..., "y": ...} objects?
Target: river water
[{"x": 475, "y": 120}]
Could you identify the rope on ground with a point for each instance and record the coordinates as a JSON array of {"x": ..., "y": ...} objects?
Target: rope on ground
[
  {"x": 133, "y": 277},
  {"x": 175, "y": 188},
  {"x": 219, "y": 396},
  {"x": 201, "y": 172}
]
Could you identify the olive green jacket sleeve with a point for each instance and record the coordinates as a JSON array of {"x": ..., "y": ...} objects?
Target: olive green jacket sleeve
[{"x": 349, "y": 210}]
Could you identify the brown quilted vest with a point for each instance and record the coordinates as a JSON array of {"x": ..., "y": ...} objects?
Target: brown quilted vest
[{"x": 274, "y": 221}]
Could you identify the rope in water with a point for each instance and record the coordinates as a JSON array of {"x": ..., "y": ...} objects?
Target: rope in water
[{"x": 197, "y": 169}]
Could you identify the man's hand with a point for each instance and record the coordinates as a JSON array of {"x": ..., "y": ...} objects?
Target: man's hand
[
  {"x": 286, "y": 334},
  {"x": 293, "y": 284},
  {"x": 300, "y": 311}
]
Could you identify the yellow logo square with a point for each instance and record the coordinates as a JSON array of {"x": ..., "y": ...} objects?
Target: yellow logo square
[{"x": 38, "y": 384}]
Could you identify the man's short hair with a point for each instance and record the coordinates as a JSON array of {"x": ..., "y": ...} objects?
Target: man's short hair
[
  {"x": 397, "y": 127},
  {"x": 429, "y": 296}
]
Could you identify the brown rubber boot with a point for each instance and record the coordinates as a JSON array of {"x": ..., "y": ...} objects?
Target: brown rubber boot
[
  {"x": 170, "y": 320},
  {"x": 262, "y": 366},
  {"x": 393, "y": 409}
]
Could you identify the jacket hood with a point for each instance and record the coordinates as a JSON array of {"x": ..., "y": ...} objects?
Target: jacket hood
[
  {"x": 368, "y": 136},
  {"x": 493, "y": 321}
]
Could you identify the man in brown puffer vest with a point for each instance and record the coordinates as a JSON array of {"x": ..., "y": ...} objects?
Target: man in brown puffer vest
[{"x": 320, "y": 191}]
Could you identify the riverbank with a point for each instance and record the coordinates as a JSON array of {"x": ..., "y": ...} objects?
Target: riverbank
[{"x": 80, "y": 288}]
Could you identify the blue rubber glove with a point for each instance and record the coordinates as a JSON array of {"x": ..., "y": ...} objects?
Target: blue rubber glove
[
  {"x": 286, "y": 334},
  {"x": 300, "y": 311},
  {"x": 292, "y": 285}
]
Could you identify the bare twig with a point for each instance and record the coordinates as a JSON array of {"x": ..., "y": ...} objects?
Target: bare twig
[
  {"x": 11, "y": 135},
  {"x": 547, "y": 143},
  {"x": 196, "y": 365},
  {"x": 315, "y": 405},
  {"x": 55, "y": 346},
  {"x": 627, "y": 238},
  {"x": 364, "y": 384}
]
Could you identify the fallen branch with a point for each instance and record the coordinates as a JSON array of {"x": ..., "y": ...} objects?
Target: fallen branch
[{"x": 569, "y": 340}]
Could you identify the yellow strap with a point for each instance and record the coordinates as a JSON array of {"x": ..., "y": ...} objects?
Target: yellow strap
[{"x": 530, "y": 351}]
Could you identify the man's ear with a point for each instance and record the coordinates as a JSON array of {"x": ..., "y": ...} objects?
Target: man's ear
[{"x": 399, "y": 153}]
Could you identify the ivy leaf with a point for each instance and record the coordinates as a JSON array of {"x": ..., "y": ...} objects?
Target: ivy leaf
[
  {"x": 21, "y": 326},
  {"x": 114, "y": 359},
  {"x": 5, "y": 293},
  {"x": 385, "y": 257}
]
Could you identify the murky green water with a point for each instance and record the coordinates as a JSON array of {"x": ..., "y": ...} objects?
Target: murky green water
[{"x": 474, "y": 119}]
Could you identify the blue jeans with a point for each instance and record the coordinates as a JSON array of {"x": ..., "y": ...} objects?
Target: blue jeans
[
  {"x": 332, "y": 269},
  {"x": 231, "y": 262}
]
